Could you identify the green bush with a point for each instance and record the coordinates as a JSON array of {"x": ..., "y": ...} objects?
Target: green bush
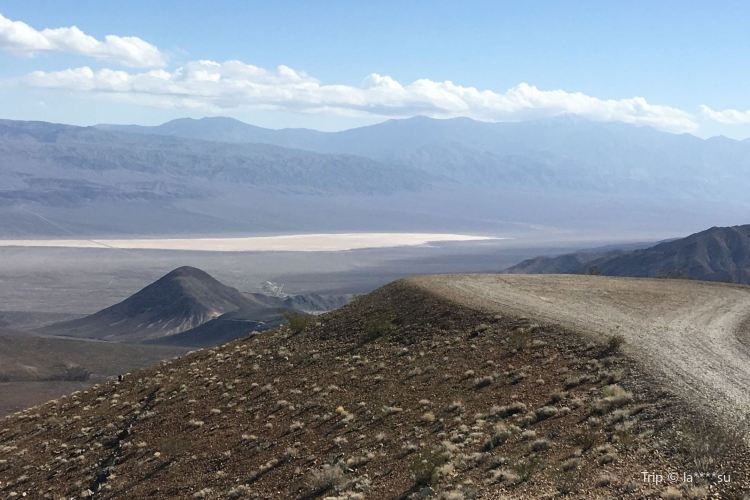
[
  {"x": 424, "y": 466},
  {"x": 519, "y": 339},
  {"x": 374, "y": 329},
  {"x": 298, "y": 321}
]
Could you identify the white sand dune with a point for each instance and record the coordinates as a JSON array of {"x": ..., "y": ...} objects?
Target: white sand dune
[{"x": 285, "y": 243}]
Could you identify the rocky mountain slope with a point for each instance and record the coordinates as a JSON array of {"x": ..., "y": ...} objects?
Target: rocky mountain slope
[
  {"x": 400, "y": 394},
  {"x": 716, "y": 254},
  {"x": 179, "y": 301}
]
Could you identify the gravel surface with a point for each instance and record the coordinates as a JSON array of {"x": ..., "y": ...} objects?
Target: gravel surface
[{"x": 690, "y": 334}]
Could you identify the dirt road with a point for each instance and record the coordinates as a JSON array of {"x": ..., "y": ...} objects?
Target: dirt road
[{"x": 688, "y": 333}]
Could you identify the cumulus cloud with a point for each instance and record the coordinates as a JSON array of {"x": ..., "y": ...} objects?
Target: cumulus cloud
[
  {"x": 233, "y": 84},
  {"x": 20, "y": 38},
  {"x": 727, "y": 116}
]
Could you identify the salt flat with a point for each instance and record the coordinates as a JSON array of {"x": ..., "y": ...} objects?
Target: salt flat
[{"x": 282, "y": 243}]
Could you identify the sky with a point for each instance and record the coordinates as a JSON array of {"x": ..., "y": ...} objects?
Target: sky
[{"x": 679, "y": 66}]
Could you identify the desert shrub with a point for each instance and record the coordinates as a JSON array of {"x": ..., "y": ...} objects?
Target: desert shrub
[
  {"x": 603, "y": 480},
  {"x": 428, "y": 417},
  {"x": 624, "y": 434},
  {"x": 614, "y": 397},
  {"x": 707, "y": 445},
  {"x": 527, "y": 468},
  {"x": 570, "y": 464},
  {"x": 504, "y": 476},
  {"x": 556, "y": 397},
  {"x": 500, "y": 434},
  {"x": 585, "y": 439},
  {"x": 298, "y": 321},
  {"x": 545, "y": 412},
  {"x": 519, "y": 339},
  {"x": 455, "y": 407},
  {"x": 540, "y": 445},
  {"x": 528, "y": 435},
  {"x": 568, "y": 481},
  {"x": 327, "y": 478},
  {"x": 425, "y": 465},
  {"x": 576, "y": 380},
  {"x": 483, "y": 381},
  {"x": 508, "y": 410},
  {"x": 614, "y": 344},
  {"x": 671, "y": 493},
  {"x": 374, "y": 329}
]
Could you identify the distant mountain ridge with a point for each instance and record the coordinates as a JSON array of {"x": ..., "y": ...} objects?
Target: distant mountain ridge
[
  {"x": 220, "y": 176},
  {"x": 716, "y": 254},
  {"x": 561, "y": 153},
  {"x": 181, "y": 300},
  {"x": 144, "y": 165}
]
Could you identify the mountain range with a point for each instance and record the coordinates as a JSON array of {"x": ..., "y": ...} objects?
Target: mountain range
[
  {"x": 563, "y": 153},
  {"x": 716, "y": 254},
  {"x": 219, "y": 175}
]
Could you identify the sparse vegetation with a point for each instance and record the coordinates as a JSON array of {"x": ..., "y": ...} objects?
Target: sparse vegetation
[
  {"x": 298, "y": 321},
  {"x": 319, "y": 416},
  {"x": 519, "y": 339},
  {"x": 327, "y": 478},
  {"x": 483, "y": 381},
  {"x": 374, "y": 329},
  {"x": 425, "y": 466},
  {"x": 614, "y": 344},
  {"x": 500, "y": 435},
  {"x": 528, "y": 467},
  {"x": 708, "y": 445}
]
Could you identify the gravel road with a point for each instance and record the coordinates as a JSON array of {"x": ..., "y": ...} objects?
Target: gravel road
[{"x": 690, "y": 334}]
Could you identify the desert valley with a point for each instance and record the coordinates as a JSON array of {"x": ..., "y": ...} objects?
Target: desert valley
[{"x": 306, "y": 250}]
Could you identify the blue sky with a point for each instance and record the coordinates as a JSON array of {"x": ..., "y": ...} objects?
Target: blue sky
[{"x": 678, "y": 66}]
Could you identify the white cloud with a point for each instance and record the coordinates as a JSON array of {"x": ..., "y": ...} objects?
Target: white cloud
[
  {"x": 20, "y": 38},
  {"x": 233, "y": 84},
  {"x": 727, "y": 116}
]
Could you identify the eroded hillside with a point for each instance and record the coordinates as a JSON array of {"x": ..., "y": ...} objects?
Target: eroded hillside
[{"x": 399, "y": 394}]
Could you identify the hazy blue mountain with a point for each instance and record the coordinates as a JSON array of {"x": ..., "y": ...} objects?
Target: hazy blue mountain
[
  {"x": 716, "y": 254},
  {"x": 59, "y": 179},
  {"x": 85, "y": 162},
  {"x": 564, "y": 153},
  {"x": 219, "y": 175}
]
